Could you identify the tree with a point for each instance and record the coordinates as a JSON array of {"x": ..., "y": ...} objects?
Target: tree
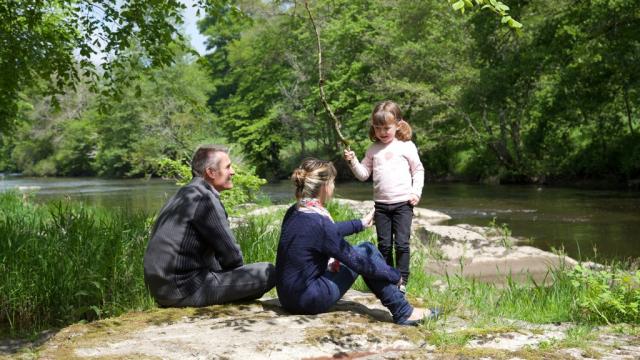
[{"x": 47, "y": 40}]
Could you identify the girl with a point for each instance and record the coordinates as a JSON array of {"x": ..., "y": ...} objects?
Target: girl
[
  {"x": 398, "y": 177},
  {"x": 309, "y": 238}
]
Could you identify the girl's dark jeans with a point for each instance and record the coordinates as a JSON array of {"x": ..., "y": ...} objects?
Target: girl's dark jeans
[{"x": 393, "y": 225}]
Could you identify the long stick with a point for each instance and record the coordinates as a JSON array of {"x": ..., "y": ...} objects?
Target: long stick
[{"x": 336, "y": 122}]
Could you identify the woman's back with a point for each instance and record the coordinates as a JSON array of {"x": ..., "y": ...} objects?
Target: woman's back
[{"x": 301, "y": 261}]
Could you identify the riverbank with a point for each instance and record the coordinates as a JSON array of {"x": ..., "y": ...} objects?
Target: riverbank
[
  {"x": 587, "y": 224},
  {"x": 480, "y": 319}
]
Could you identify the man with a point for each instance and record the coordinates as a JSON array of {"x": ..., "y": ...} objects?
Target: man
[{"x": 192, "y": 258}]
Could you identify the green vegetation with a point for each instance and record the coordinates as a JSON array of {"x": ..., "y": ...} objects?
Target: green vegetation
[
  {"x": 246, "y": 184},
  {"x": 64, "y": 262},
  {"x": 611, "y": 296},
  {"x": 553, "y": 101}
]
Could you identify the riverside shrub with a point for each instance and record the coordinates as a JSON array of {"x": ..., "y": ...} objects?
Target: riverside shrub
[{"x": 609, "y": 296}]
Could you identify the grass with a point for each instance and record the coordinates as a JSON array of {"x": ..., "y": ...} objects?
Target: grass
[{"x": 64, "y": 262}]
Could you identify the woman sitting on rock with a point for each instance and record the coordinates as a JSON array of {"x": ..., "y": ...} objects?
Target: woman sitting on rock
[{"x": 315, "y": 266}]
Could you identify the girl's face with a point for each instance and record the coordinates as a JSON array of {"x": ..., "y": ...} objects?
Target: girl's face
[{"x": 386, "y": 132}]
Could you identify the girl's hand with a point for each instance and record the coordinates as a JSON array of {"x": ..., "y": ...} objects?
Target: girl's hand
[
  {"x": 349, "y": 155},
  {"x": 414, "y": 200},
  {"x": 367, "y": 220}
]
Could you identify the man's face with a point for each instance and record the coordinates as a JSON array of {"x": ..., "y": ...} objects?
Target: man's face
[{"x": 220, "y": 178}]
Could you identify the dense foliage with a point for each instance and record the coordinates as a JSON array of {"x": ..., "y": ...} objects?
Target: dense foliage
[
  {"x": 556, "y": 100},
  {"x": 246, "y": 185}
]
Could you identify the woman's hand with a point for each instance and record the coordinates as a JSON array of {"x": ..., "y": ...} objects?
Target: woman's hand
[
  {"x": 349, "y": 155},
  {"x": 367, "y": 220},
  {"x": 414, "y": 200}
]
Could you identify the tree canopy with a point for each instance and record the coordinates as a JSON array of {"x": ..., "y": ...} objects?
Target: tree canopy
[{"x": 556, "y": 100}]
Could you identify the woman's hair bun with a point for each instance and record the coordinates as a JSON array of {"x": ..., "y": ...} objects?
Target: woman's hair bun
[{"x": 298, "y": 177}]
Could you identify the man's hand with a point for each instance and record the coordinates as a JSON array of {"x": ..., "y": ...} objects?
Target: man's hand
[
  {"x": 367, "y": 220},
  {"x": 349, "y": 155},
  {"x": 414, "y": 200}
]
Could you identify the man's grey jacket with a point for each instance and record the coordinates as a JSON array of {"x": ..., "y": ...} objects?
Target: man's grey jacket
[{"x": 191, "y": 237}]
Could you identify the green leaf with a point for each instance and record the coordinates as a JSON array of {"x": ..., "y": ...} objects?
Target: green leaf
[
  {"x": 514, "y": 24},
  {"x": 458, "y": 5}
]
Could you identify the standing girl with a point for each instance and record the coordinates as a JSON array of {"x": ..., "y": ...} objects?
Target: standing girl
[{"x": 398, "y": 177}]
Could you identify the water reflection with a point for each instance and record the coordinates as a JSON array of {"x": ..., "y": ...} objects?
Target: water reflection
[{"x": 574, "y": 219}]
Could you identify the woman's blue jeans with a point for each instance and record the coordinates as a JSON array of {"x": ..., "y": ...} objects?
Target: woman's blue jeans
[{"x": 388, "y": 293}]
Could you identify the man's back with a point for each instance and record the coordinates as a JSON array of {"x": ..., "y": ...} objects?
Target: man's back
[{"x": 182, "y": 249}]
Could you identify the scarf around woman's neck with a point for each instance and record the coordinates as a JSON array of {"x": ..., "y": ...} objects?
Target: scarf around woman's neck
[{"x": 313, "y": 205}]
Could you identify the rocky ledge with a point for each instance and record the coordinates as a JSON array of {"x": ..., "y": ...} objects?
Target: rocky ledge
[
  {"x": 358, "y": 327},
  {"x": 488, "y": 254}
]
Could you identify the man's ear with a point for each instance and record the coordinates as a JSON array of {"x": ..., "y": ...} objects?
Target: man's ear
[{"x": 211, "y": 172}]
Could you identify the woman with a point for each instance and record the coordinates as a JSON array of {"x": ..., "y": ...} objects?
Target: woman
[{"x": 305, "y": 280}]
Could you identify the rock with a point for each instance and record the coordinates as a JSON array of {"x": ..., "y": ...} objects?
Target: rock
[
  {"x": 485, "y": 255},
  {"x": 420, "y": 215},
  {"x": 358, "y": 326},
  {"x": 429, "y": 216},
  {"x": 360, "y": 207},
  {"x": 267, "y": 210}
]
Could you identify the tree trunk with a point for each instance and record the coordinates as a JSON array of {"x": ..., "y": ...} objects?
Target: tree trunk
[{"x": 628, "y": 108}]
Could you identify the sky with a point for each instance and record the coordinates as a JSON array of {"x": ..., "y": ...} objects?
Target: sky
[{"x": 191, "y": 29}]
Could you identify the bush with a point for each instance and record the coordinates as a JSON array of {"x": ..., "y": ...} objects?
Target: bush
[
  {"x": 609, "y": 296},
  {"x": 246, "y": 184}
]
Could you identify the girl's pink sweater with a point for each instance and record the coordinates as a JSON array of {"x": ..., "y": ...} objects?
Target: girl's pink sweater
[{"x": 397, "y": 171}]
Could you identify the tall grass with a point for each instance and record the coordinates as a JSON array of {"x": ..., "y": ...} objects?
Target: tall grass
[{"x": 65, "y": 262}]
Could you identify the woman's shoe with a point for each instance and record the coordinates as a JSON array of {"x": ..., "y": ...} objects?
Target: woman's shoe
[{"x": 434, "y": 314}]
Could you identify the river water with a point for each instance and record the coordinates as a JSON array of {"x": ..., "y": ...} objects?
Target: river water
[{"x": 577, "y": 220}]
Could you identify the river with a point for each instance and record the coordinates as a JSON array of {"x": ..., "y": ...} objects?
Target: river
[{"x": 577, "y": 220}]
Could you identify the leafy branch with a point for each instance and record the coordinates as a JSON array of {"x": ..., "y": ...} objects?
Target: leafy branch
[
  {"x": 336, "y": 123},
  {"x": 497, "y": 7}
]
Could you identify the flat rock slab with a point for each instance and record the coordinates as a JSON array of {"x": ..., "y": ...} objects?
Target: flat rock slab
[
  {"x": 357, "y": 327},
  {"x": 256, "y": 330},
  {"x": 421, "y": 216}
]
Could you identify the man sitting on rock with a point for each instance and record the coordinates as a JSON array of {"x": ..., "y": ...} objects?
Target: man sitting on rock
[{"x": 193, "y": 258}]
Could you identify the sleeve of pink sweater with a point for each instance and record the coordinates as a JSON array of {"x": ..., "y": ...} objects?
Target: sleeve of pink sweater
[
  {"x": 416, "y": 168},
  {"x": 362, "y": 170}
]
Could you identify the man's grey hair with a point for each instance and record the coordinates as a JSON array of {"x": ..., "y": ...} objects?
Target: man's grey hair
[{"x": 206, "y": 156}]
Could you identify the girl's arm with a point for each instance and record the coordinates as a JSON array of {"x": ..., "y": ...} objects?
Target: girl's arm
[
  {"x": 416, "y": 168},
  {"x": 335, "y": 246},
  {"x": 361, "y": 171}
]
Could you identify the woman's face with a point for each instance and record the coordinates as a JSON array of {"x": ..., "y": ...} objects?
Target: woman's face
[{"x": 327, "y": 191}]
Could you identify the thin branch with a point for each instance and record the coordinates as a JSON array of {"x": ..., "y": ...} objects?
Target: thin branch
[{"x": 336, "y": 122}]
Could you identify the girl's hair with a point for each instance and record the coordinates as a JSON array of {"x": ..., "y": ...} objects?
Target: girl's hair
[
  {"x": 311, "y": 175},
  {"x": 387, "y": 113}
]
